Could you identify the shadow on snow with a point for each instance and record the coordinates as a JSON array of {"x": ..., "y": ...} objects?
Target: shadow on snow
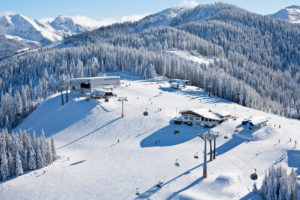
[
  {"x": 154, "y": 189},
  {"x": 166, "y": 137},
  {"x": 78, "y": 162},
  {"x": 294, "y": 159},
  {"x": 245, "y": 135},
  {"x": 53, "y": 117}
]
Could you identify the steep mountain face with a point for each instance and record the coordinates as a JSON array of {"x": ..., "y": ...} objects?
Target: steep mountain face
[
  {"x": 26, "y": 28},
  {"x": 291, "y": 14},
  {"x": 73, "y": 25},
  {"x": 22, "y": 31}
]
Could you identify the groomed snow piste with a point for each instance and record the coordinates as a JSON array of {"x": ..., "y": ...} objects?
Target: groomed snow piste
[{"x": 101, "y": 168}]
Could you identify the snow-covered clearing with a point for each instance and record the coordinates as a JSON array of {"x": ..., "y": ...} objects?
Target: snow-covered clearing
[
  {"x": 187, "y": 56},
  {"x": 101, "y": 168}
]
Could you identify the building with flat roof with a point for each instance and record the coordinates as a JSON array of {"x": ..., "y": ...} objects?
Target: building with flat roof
[{"x": 88, "y": 84}]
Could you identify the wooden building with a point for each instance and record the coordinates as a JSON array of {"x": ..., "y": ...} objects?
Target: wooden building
[{"x": 203, "y": 117}]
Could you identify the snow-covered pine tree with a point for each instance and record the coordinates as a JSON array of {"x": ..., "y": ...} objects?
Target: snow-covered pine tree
[
  {"x": 4, "y": 170},
  {"x": 48, "y": 155},
  {"x": 18, "y": 163},
  {"x": 39, "y": 158},
  {"x": 53, "y": 149},
  {"x": 43, "y": 146},
  {"x": 31, "y": 158}
]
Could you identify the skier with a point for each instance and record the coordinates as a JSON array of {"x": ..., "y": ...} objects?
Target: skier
[{"x": 118, "y": 141}]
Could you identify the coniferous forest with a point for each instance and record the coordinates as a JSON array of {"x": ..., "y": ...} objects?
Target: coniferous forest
[{"x": 22, "y": 152}]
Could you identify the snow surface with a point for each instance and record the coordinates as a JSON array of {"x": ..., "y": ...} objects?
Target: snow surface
[
  {"x": 101, "y": 168},
  {"x": 291, "y": 14},
  {"x": 187, "y": 56}
]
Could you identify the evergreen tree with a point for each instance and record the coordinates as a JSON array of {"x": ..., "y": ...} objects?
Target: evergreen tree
[
  {"x": 18, "y": 163},
  {"x": 32, "y": 158},
  {"x": 4, "y": 170},
  {"x": 53, "y": 149}
]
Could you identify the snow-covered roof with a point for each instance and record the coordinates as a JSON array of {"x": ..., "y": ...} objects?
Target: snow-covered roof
[
  {"x": 179, "y": 81},
  {"x": 258, "y": 120},
  {"x": 222, "y": 113},
  {"x": 205, "y": 113},
  {"x": 98, "y": 92},
  {"x": 97, "y": 77}
]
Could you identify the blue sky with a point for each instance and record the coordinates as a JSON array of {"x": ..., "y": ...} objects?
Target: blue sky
[{"x": 116, "y": 9}]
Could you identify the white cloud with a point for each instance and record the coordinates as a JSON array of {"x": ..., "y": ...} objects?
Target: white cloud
[
  {"x": 131, "y": 18},
  {"x": 7, "y": 13},
  {"x": 189, "y": 3}
]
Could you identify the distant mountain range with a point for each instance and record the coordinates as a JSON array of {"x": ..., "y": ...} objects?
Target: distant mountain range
[
  {"x": 291, "y": 14},
  {"x": 19, "y": 33}
]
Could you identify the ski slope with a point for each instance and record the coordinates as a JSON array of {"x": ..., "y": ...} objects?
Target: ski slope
[{"x": 101, "y": 168}]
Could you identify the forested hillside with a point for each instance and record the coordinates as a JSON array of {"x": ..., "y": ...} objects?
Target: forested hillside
[{"x": 256, "y": 59}]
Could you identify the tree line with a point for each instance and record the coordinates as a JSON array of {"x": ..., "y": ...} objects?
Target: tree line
[
  {"x": 279, "y": 185},
  {"x": 21, "y": 152}
]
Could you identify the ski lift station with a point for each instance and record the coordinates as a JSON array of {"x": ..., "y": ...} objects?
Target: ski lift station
[
  {"x": 89, "y": 84},
  {"x": 178, "y": 83},
  {"x": 203, "y": 117},
  {"x": 256, "y": 122}
]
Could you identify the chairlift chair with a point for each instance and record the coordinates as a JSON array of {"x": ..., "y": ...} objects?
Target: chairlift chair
[
  {"x": 158, "y": 184},
  {"x": 254, "y": 176},
  {"x": 137, "y": 192},
  {"x": 176, "y": 163},
  {"x": 196, "y": 155},
  {"x": 145, "y": 113}
]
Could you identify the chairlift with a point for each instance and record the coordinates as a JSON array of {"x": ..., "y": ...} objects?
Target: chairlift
[
  {"x": 176, "y": 163},
  {"x": 137, "y": 192},
  {"x": 176, "y": 132},
  {"x": 196, "y": 155},
  {"x": 254, "y": 176},
  {"x": 158, "y": 184}
]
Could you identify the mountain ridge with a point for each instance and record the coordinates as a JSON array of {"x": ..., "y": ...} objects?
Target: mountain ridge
[
  {"x": 290, "y": 14},
  {"x": 19, "y": 31}
]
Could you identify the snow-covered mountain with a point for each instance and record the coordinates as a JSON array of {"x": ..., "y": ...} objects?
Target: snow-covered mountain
[
  {"x": 26, "y": 28},
  {"x": 291, "y": 14},
  {"x": 18, "y": 31},
  {"x": 162, "y": 18},
  {"x": 65, "y": 25},
  {"x": 50, "y": 29}
]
